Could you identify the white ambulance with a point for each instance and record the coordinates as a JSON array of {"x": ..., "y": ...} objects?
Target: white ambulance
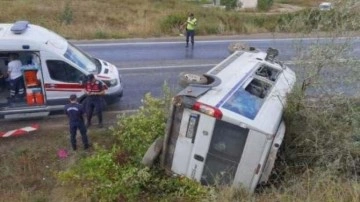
[
  {"x": 228, "y": 130},
  {"x": 53, "y": 68}
]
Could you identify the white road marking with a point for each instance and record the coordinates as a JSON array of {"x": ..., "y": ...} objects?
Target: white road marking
[
  {"x": 208, "y": 41},
  {"x": 213, "y": 65},
  {"x": 167, "y": 67},
  {"x": 182, "y": 66}
]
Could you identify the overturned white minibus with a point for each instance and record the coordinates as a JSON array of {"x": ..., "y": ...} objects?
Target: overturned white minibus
[{"x": 229, "y": 129}]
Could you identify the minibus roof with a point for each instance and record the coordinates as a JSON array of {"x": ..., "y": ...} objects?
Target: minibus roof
[
  {"x": 13, "y": 37},
  {"x": 236, "y": 104}
]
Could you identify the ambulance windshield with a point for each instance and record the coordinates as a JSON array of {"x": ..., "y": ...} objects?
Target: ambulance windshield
[{"x": 80, "y": 58}]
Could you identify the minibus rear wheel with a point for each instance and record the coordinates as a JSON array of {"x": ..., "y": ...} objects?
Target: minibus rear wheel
[{"x": 239, "y": 46}]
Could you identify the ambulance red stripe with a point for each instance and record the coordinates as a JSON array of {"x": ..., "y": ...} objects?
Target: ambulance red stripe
[{"x": 63, "y": 85}]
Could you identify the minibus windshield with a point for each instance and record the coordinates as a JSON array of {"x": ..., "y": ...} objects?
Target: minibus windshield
[{"x": 80, "y": 58}]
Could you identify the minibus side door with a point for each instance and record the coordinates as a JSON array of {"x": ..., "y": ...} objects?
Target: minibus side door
[{"x": 224, "y": 153}]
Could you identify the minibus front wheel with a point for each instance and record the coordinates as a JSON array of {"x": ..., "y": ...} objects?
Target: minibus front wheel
[
  {"x": 186, "y": 78},
  {"x": 153, "y": 152}
]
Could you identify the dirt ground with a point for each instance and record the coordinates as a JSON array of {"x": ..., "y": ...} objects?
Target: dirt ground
[
  {"x": 29, "y": 163},
  {"x": 284, "y": 8},
  {"x": 52, "y": 122}
]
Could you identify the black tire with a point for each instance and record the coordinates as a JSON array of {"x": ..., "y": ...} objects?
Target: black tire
[
  {"x": 153, "y": 152},
  {"x": 186, "y": 78}
]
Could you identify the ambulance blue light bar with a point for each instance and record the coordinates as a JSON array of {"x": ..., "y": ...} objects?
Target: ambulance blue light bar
[{"x": 19, "y": 27}]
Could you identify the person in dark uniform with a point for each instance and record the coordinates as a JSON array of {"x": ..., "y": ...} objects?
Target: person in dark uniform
[
  {"x": 2, "y": 82},
  {"x": 75, "y": 113},
  {"x": 95, "y": 92}
]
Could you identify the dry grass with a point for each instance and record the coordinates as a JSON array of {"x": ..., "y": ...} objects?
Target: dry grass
[
  {"x": 300, "y": 2},
  {"x": 29, "y": 163},
  {"x": 313, "y": 187},
  {"x": 92, "y": 19}
]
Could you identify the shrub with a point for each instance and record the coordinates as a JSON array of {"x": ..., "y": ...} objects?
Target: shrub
[
  {"x": 229, "y": 4},
  {"x": 67, "y": 14},
  {"x": 264, "y": 5},
  {"x": 117, "y": 175},
  {"x": 173, "y": 21},
  {"x": 211, "y": 29},
  {"x": 321, "y": 121},
  {"x": 101, "y": 34}
]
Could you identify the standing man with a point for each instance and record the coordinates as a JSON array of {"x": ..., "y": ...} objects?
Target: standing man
[
  {"x": 190, "y": 29},
  {"x": 95, "y": 92},
  {"x": 15, "y": 76},
  {"x": 75, "y": 113}
]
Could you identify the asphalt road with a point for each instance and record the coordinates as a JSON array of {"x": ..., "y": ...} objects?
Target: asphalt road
[{"x": 145, "y": 64}]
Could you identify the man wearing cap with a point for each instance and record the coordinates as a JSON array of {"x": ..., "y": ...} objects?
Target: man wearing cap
[
  {"x": 95, "y": 92},
  {"x": 75, "y": 113}
]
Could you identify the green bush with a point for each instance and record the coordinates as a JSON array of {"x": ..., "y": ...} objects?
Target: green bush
[
  {"x": 101, "y": 34},
  {"x": 264, "y": 5},
  {"x": 210, "y": 29},
  {"x": 321, "y": 134},
  {"x": 173, "y": 21},
  {"x": 67, "y": 16},
  {"x": 144, "y": 126},
  {"x": 229, "y": 4},
  {"x": 308, "y": 20},
  {"x": 117, "y": 175}
]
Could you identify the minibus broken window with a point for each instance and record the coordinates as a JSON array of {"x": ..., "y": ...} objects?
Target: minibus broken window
[
  {"x": 248, "y": 101},
  {"x": 258, "y": 88},
  {"x": 244, "y": 103},
  {"x": 267, "y": 72}
]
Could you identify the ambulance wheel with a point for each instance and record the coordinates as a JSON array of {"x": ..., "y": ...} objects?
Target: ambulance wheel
[
  {"x": 191, "y": 78},
  {"x": 153, "y": 152}
]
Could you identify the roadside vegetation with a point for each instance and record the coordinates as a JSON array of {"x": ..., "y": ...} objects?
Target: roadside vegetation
[
  {"x": 117, "y": 174},
  {"x": 114, "y": 19},
  {"x": 321, "y": 152}
]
